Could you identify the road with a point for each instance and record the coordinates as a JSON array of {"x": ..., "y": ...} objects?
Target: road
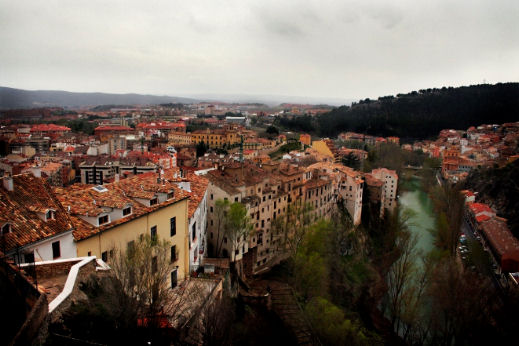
[{"x": 469, "y": 233}]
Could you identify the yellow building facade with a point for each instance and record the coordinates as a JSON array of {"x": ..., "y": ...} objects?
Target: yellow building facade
[
  {"x": 121, "y": 235},
  {"x": 215, "y": 138}
]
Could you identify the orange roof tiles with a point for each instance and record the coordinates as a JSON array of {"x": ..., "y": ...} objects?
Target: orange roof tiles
[
  {"x": 21, "y": 206},
  {"x": 113, "y": 128},
  {"x": 83, "y": 200},
  {"x": 499, "y": 236},
  {"x": 478, "y": 208},
  {"x": 49, "y": 128},
  {"x": 198, "y": 188}
]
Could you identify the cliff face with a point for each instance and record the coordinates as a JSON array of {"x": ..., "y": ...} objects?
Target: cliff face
[{"x": 499, "y": 188}]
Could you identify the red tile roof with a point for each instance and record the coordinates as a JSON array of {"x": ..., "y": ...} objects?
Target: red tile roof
[
  {"x": 81, "y": 199},
  {"x": 49, "y": 128},
  {"x": 198, "y": 189},
  {"x": 482, "y": 218},
  {"x": 478, "y": 208},
  {"x": 160, "y": 125},
  {"x": 113, "y": 128},
  {"x": 500, "y": 237},
  {"x": 20, "y": 208}
]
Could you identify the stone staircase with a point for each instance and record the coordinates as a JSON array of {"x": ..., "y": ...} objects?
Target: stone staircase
[{"x": 286, "y": 307}]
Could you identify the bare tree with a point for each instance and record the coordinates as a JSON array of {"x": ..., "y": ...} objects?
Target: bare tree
[
  {"x": 292, "y": 226},
  {"x": 238, "y": 224},
  {"x": 140, "y": 280},
  {"x": 140, "y": 275},
  {"x": 220, "y": 211}
]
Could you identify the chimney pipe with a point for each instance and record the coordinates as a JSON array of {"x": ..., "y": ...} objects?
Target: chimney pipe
[
  {"x": 36, "y": 171},
  {"x": 8, "y": 183}
]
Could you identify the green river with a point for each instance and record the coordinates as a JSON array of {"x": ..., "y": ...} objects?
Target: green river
[{"x": 414, "y": 198}]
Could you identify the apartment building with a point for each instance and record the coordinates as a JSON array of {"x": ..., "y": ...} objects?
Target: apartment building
[
  {"x": 375, "y": 188},
  {"x": 267, "y": 192},
  {"x": 216, "y": 138},
  {"x": 179, "y": 139},
  {"x": 115, "y": 215},
  {"x": 101, "y": 170},
  {"x": 390, "y": 179},
  {"x": 196, "y": 186},
  {"x": 347, "y": 185}
]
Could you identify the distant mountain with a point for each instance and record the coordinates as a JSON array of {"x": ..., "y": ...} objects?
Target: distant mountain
[
  {"x": 272, "y": 100},
  {"x": 11, "y": 98}
]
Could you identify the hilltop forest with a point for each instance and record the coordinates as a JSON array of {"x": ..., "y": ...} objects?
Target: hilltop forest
[{"x": 416, "y": 115}]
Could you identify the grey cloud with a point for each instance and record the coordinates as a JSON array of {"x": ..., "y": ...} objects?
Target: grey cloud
[{"x": 324, "y": 48}]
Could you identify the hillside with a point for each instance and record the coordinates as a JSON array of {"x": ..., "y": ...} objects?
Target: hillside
[
  {"x": 499, "y": 187},
  {"x": 419, "y": 114},
  {"x": 17, "y": 98}
]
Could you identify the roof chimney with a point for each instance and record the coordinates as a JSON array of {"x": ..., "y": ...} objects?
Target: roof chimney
[
  {"x": 116, "y": 177},
  {"x": 8, "y": 183},
  {"x": 36, "y": 171}
]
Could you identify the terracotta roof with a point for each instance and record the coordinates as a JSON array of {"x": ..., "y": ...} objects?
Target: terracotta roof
[
  {"x": 482, "y": 218},
  {"x": 478, "y": 208},
  {"x": 384, "y": 171},
  {"x": 233, "y": 176},
  {"x": 372, "y": 181},
  {"x": 48, "y": 128},
  {"x": 313, "y": 183},
  {"x": 198, "y": 189},
  {"x": 499, "y": 236},
  {"x": 113, "y": 128},
  {"x": 161, "y": 125},
  {"x": 83, "y": 200},
  {"x": 21, "y": 206}
]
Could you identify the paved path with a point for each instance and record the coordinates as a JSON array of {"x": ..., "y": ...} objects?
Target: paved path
[{"x": 285, "y": 305}]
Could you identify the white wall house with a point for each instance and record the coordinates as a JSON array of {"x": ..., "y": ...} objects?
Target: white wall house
[
  {"x": 60, "y": 246},
  {"x": 197, "y": 235}
]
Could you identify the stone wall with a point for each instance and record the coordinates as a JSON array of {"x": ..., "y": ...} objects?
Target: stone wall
[
  {"x": 76, "y": 295},
  {"x": 54, "y": 269}
]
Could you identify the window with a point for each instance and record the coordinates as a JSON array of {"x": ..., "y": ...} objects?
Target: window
[
  {"x": 6, "y": 228},
  {"x": 172, "y": 226},
  {"x": 127, "y": 211},
  {"x": 89, "y": 253},
  {"x": 225, "y": 240},
  {"x": 170, "y": 195},
  {"x": 211, "y": 197},
  {"x": 56, "y": 251},
  {"x": 153, "y": 233},
  {"x": 236, "y": 252},
  {"x": 29, "y": 257},
  {"x": 50, "y": 215},
  {"x": 236, "y": 199},
  {"x": 153, "y": 201},
  {"x": 174, "y": 278},
  {"x": 211, "y": 209},
  {"x": 103, "y": 219},
  {"x": 173, "y": 253},
  {"x": 104, "y": 256},
  {"x": 154, "y": 264}
]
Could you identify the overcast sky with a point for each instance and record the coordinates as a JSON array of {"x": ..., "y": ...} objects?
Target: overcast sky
[{"x": 328, "y": 49}]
